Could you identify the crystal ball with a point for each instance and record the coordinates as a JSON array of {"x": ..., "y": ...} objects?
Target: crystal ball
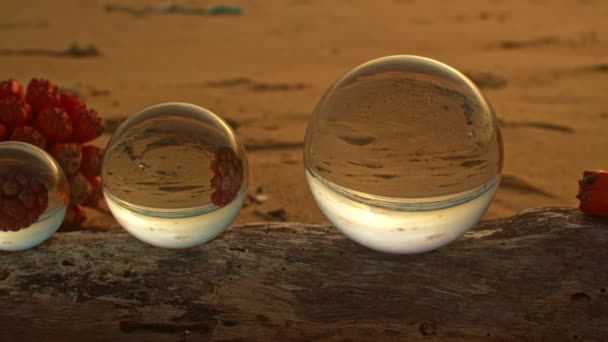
[
  {"x": 34, "y": 196},
  {"x": 174, "y": 175},
  {"x": 403, "y": 154}
]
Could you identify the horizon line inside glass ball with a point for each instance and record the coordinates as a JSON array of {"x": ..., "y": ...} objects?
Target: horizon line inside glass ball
[
  {"x": 175, "y": 175},
  {"x": 403, "y": 154}
]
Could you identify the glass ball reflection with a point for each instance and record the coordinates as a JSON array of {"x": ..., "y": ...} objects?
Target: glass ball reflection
[
  {"x": 403, "y": 154},
  {"x": 34, "y": 196},
  {"x": 174, "y": 175}
]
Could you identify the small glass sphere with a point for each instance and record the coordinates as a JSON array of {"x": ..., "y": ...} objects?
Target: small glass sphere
[
  {"x": 174, "y": 175},
  {"x": 403, "y": 154},
  {"x": 33, "y": 196}
]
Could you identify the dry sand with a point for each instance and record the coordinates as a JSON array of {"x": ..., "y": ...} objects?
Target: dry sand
[{"x": 542, "y": 64}]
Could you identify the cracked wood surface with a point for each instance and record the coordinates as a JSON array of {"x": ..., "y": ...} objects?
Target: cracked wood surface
[{"x": 541, "y": 275}]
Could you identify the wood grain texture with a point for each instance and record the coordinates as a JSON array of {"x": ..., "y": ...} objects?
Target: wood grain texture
[{"x": 541, "y": 275}]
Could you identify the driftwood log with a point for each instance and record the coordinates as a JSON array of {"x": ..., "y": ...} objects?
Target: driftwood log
[{"x": 542, "y": 275}]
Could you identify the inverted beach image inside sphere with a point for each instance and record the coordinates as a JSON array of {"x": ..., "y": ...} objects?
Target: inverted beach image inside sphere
[
  {"x": 174, "y": 175},
  {"x": 403, "y": 154}
]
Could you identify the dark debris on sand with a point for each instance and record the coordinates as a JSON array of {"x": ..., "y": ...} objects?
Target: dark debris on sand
[{"x": 73, "y": 51}]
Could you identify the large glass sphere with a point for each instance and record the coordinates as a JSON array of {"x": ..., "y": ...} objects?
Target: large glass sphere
[
  {"x": 174, "y": 175},
  {"x": 403, "y": 154},
  {"x": 33, "y": 196}
]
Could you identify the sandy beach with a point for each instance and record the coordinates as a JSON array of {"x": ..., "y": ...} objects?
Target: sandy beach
[{"x": 542, "y": 64}]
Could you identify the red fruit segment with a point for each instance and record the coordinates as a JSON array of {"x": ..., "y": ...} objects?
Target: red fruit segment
[
  {"x": 3, "y": 132},
  {"x": 6, "y": 224},
  {"x": 593, "y": 193},
  {"x": 42, "y": 94},
  {"x": 28, "y": 198},
  {"x": 228, "y": 176},
  {"x": 96, "y": 194},
  {"x": 80, "y": 189},
  {"x": 92, "y": 159},
  {"x": 29, "y": 135},
  {"x": 22, "y": 200},
  {"x": 14, "y": 112},
  {"x": 594, "y": 202},
  {"x": 21, "y": 179},
  {"x": 74, "y": 217},
  {"x": 10, "y": 188},
  {"x": 11, "y": 88},
  {"x": 70, "y": 103},
  {"x": 594, "y": 180},
  {"x": 68, "y": 155},
  {"x": 41, "y": 196},
  {"x": 54, "y": 124},
  {"x": 14, "y": 209},
  {"x": 87, "y": 125}
]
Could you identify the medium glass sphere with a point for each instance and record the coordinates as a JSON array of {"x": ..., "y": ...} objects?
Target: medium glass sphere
[
  {"x": 33, "y": 196},
  {"x": 403, "y": 154},
  {"x": 174, "y": 175}
]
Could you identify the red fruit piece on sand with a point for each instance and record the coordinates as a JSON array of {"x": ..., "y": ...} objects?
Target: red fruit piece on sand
[
  {"x": 11, "y": 88},
  {"x": 14, "y": 112},
  {"x": 70, "y": 103},
  {"x": 593, "y": 193},
  {"x": 87, "y": 125},
  {"x": 92, "y": 159},
  {"x": 3, "y": 132},
  {"x": 29, "y": 135},
  {"x": 596, "y": 180},
  {"x": 54, "y": 124},
  {"x": 74, "y": 217},
  {"x": 80, "y": 189},
  {"x": 594, "y": 202},
  {"x": 68, "y": 155},
  {"x": 22, "y": 200},
  {"x": 42, "y": 94}
]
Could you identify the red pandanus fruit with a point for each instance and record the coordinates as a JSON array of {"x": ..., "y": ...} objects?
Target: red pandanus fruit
[{"x": 593, "y": 193}]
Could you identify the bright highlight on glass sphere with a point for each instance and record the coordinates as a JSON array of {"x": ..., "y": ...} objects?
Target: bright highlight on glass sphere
[
  {"x": 33, "y": 196},
  {"x": 403, "y": 154},
  {"x": 174, "y": 175}
]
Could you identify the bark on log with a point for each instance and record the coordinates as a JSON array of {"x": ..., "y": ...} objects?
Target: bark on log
[{"x": 541, "y": 275}]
